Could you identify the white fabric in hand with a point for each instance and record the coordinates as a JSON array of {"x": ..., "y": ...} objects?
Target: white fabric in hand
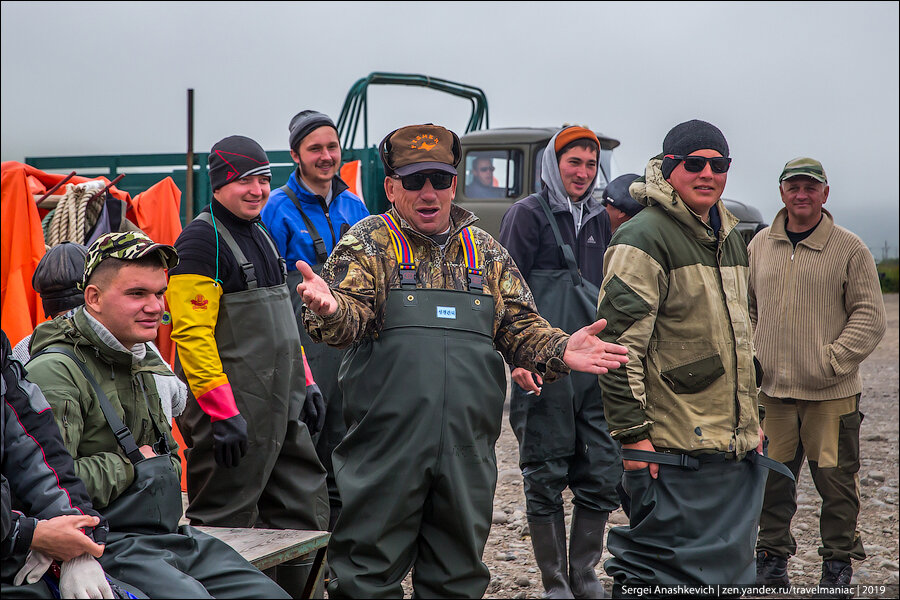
[
  {"x": 36, "y": 564},
  {"x": 83, "y": 577}
]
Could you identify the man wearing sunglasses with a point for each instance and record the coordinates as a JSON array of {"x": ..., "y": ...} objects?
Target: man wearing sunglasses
[
  {"x": 482, "y": 182},
  {"x": 818, "y": 312},
  {"x": 557, "y": 238},
  {"x": 685, "y": 407},
  {"x": 426, "y": 300}
]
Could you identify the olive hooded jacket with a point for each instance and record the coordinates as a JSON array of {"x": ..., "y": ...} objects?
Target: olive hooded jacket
[{"x": 675, "y": 295}]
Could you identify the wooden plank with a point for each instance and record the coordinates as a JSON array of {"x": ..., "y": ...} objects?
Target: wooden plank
[{"x": 265, "y": 548}]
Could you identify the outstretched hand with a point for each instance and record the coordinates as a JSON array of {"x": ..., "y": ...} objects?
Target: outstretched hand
[
  {"x": 587, "y": 353},
  {"x": 315, "y": 292}
]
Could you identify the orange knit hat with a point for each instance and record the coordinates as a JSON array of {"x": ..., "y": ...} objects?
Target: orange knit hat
[{"x": 570, "y": 134}]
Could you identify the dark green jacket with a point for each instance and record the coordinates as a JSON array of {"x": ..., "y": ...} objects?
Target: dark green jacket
[
  {"x": 676, "y": 297},
  {"x": 130, "y": 387}
]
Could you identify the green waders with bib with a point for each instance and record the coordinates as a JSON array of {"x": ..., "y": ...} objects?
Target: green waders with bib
[
  {"x": 279, "y": 483},
  {"x": 146, "y": 547},
  {"x": 564, "y": 441},
  {"x": 324, "y": 362},
  {"x": 417, "y": 469}
]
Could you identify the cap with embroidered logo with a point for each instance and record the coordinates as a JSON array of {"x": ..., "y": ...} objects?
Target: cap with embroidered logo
[
  {"x": 129, "y": 245},
  {"x": 809, "y": 167},
  {"x": 417, "y": 148}
]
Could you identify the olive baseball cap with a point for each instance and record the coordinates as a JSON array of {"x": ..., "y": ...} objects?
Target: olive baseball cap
[
  {"x": 809, "y": 167},
  {"x": 417, "y": 148},
  {"x": 129, "y": 245}
]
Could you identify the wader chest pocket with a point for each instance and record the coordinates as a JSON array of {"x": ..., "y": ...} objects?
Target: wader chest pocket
[{"x": 694, "y": 377}]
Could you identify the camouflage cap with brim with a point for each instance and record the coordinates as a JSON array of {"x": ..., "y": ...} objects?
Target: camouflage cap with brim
[
  {"x": 808, "y": 167},
  {"x": 129, "y": 245}
]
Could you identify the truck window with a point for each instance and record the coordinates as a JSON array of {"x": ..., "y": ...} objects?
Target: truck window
[{"x": 493, "y": 174}]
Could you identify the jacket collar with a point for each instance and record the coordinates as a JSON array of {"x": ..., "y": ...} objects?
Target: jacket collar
[
  {"x": 304, "y": 194},
  {"x": 460, "y": 218},
  {"x": 816, "y": 240}
]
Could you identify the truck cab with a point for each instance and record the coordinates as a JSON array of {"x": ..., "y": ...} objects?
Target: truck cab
[{"x": 500, "y": 166}]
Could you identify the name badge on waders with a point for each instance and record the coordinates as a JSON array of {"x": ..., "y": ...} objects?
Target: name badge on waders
[{"x": 152, "y": 503}]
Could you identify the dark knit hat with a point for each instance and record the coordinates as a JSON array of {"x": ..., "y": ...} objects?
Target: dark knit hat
[
  {"x": 57, "y": 276},
  {"x": 235, "y": 157},
  {"x": 304, "y": 123},
  {"x": 616, "y": 194},
  {"x": 688, "y": 137}
]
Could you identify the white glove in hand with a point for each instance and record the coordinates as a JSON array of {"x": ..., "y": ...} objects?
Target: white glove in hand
[
  {"x": 36, "y": 564},
  {"x": 83, "y": 577}
]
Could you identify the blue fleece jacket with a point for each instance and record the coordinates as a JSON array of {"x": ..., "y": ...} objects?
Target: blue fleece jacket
[{"x": 288, "y": 229}]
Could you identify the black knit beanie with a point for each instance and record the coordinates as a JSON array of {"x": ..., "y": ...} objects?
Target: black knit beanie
[
  {"x": 57, "y": 275},
  {"x": 304, "y": 123},
  {"x": 688, "y": 137},
  {"x": 235, "y": 157}
]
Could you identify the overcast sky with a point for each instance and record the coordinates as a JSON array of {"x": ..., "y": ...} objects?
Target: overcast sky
[{"x": 780, "y": 79}]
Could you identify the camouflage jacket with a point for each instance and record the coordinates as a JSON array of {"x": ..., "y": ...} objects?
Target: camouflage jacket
[{"x": 363, "y": 267}]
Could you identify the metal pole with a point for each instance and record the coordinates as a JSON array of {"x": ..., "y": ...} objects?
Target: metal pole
[{"x": 188, "y": 205}]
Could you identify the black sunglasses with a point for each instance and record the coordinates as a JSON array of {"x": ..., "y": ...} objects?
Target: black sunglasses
[
  {"x": 695, "y": 164},
  {"x": 416, "y": 181}
]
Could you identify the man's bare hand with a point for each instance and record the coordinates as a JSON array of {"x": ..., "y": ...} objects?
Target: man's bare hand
[
  {"x": 315, "y": 292},
  {"x": 762, "y": 438},
  {"x": 587, "y": 353},
  {"x": 528, "y": 381},
  {"x": 147, "y": 451},
  {"x": 634, "y": 465},
  {"x": 61, "y": 537}
]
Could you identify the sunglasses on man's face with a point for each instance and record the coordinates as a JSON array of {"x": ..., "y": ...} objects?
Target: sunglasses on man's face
[
  {"x": 416, "y": 181},
  {"x": 695, "y": 164}
]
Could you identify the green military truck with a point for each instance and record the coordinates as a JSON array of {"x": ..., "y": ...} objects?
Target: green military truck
[{"x": 512, "y": 156}]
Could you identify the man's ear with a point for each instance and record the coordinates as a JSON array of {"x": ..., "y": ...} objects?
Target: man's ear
[
  {"x": 92, "y": 296},
  {"x": 295, "y": 157},
  {"x": 389, "y": 188}
]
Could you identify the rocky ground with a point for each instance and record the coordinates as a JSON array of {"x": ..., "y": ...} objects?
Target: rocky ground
[{"x": 511, "y": 560}]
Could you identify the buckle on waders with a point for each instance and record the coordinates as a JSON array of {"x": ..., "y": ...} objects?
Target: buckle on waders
[
  {"x": 407, "y": 274},
  {"x": 689, "y": 462},
  {"x": 476, "y": 279}
]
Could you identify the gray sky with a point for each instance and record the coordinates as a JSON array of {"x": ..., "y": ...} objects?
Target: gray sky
[{"x": 780, "y": 79}]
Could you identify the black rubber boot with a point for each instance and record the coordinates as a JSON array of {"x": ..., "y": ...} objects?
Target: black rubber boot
[
  {"x": 549, "y": 542},
  {"x": 585, "y": 550},
  {"x": 771, "y": 570}
]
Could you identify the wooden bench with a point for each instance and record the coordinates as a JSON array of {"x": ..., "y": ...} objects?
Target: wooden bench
[{"x": 266, "y": 548}]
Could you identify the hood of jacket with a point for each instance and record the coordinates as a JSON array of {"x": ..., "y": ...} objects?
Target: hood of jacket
[
  {"x": 653, "y": 190},
  {"x": 552, "y": 180},
  {"x": 75, "y": 330}
]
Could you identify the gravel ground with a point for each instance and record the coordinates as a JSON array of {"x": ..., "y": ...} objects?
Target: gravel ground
[{"x": 510, "y": 558}]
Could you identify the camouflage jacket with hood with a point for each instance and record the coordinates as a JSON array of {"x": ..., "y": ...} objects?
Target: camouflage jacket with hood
[
  {"x": 126, "y": 379},
  {"x": 363, "y": 267},
  {"x": 676, "y": 297}
]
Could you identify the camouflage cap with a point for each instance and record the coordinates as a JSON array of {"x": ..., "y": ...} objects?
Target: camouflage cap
[
  {"x": 129, "y": 245},
  {"x": 809, "y": 167}
]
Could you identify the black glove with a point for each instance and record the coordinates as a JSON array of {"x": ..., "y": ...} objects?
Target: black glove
[
  {"x": 313, "y": 411},
  {"x": 229, "y": 440}
]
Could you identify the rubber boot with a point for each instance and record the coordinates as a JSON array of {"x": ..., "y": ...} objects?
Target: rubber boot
[
  {"x": 585, "y": 550},
  {"x": 549, "y": 542}
]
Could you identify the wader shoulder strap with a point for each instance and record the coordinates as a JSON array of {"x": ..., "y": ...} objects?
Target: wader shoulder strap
[
  {"x": 693, "y": 463},
  {"x": 122, "y": 433},
  {"x": 405, "y": 262},
  {"x": 568, "y": 254},
  {"x": 246, "y": 266},
  {"x": 281, "y": 262},
  {"x": 470, "y": 252},
  {"x": 318, "y": 242}
]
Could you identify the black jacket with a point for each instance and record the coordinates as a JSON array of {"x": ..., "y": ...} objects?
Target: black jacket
[
  {"x": 526, "y": 233},
  {"x": 38, "y": 473}
]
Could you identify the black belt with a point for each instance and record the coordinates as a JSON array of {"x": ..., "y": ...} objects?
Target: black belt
[{"x": 693, "y": 463}]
